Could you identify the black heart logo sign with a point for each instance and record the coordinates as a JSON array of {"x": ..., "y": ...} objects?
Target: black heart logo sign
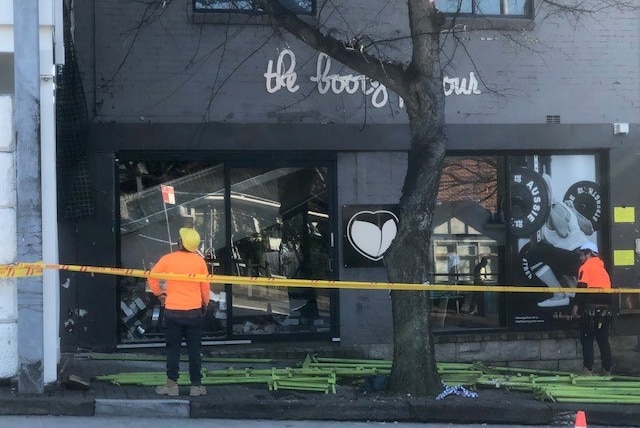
[{"x": 371, "y": 232}]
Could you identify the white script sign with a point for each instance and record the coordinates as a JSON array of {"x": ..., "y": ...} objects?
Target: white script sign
[
  {"x": 455, "y": 85},
  {"x": 284, "y": 76}
]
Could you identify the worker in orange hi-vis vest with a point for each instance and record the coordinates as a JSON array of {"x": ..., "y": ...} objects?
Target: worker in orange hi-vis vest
[
  {"x": 184, "y": 303},
  {"x": 594, "y": 310}
]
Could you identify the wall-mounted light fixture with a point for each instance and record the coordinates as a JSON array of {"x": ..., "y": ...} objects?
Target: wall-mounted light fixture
[{"x": 620, "y": 128}]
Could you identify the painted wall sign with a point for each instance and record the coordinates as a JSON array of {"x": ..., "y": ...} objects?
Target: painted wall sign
[
  {"x": 460, "y": 86},
  {"x": 368, "y": 234},
  {"x": 282, "y": 75}
]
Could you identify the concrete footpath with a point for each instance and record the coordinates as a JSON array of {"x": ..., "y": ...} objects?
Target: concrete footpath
[{"x": 255, "y": 401}]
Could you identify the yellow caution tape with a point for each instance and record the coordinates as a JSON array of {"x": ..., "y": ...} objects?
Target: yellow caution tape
[
  {"x": 36, "y": 269},
  {"x": 20, "y": 270}
]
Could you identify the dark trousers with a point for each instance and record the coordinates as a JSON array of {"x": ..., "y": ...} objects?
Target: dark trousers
[
  {"x": 187, "y": 325},
  {"x": 596, "y": 327}
]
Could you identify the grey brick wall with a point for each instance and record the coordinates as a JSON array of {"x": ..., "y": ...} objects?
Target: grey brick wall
[
  {"x": 173, "y": 69},
  {"x": 584, "y": 72}
]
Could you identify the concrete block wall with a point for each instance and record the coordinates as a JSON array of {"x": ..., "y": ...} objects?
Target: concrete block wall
[
  {"x": 541, "y": 351},
  {"x": 559, "y": 351},
  {"x": 8, "y": 250}
]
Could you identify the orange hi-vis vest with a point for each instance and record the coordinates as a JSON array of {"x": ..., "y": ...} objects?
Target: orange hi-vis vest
[
  {"x": 182, "y": 295},
  {"x": 593, "y": 274}
]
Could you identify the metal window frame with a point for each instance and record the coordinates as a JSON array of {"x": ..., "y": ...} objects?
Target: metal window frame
[
  {"x": 528, "y": 12},
  {"x": 230, "y": 160},
  {"x": 195, "y": 9}
]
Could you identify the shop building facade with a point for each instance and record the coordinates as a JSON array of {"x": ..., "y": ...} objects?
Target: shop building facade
[{"x": 290, "y": 166}]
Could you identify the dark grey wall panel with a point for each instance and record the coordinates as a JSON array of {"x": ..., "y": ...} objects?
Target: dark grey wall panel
[
  {"x": 539, "y": 137},
  {"x": 88, "y": 303},
  {"x": 6, "y": 73},
  {"x": 373, "y": 178},
  {"x": 114, "y": 137},
  {"x": 623, "y": 188}
]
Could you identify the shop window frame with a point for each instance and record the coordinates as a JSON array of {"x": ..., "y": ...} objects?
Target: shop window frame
[
  {"x": 478, "y": 21},
  {"x": 232, "y": 160},
  {"x": 508, "y": 273},
  {"x": 451, "y": 236}
]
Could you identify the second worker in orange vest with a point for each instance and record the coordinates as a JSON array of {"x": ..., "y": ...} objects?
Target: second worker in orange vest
[{"x": 594, "y": 310}]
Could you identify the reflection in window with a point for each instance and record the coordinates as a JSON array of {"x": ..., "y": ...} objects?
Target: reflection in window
[
  {"x": 248, "y": 6},
  {"x": 455, "y": 6},
  {"x": 280, "y": 229},
  {"x": 468, "y": 241},
  {"x": 149, "y": 224},
  {"x": 516, "y": 8}
]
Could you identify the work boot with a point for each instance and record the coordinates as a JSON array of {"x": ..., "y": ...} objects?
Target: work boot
[
  {"x": 170, "y": 388},
  {"x": 197, "y": 391},
  {"x": 606, "y": 372},
  {"x": 586, "y": 372}
]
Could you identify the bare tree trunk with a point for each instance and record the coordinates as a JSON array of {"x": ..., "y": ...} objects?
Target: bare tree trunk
[
  {"x": 419, "y": 83},
  {"x": 414, "y": 364}
]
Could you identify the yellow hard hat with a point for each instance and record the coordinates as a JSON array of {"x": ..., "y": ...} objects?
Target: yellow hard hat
[{"x": 190, "y": 238}]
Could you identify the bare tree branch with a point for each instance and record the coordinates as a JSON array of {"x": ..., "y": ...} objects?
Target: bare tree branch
[{"x": 346, "y": 51}]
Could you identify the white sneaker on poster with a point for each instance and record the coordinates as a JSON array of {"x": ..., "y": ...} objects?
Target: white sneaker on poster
[{"x": 553, "y": 302}]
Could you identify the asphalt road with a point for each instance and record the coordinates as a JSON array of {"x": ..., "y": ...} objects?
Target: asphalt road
[{"x": 101, "y": 422}]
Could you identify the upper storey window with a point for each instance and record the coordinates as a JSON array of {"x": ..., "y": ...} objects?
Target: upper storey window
[
  {"x": 510, "y": 8},
  {"x": 301, "y": 7}
]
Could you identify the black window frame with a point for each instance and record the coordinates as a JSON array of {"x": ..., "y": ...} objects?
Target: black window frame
[
  {"x": 311, "y": 12},
  {"x": 233, "y": 160}
]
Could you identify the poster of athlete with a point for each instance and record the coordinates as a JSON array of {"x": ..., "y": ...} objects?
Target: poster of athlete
[{"x": 555, "y": 206}]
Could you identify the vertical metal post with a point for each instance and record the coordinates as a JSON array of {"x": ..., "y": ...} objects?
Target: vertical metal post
[
  {"x": 29, "y": 201},
  {"x": 50, "y": 55}
]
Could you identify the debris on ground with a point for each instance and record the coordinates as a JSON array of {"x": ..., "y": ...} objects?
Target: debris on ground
[
  {"x": 457, "y": 390},
  {"x": 324, "y": 374}
]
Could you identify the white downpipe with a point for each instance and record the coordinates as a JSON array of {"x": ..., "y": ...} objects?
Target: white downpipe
[
  {"x": 51, "y": 288},
  {"x": 51, "y": 279}
]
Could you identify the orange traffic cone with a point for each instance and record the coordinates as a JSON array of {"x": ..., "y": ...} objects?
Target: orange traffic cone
[{"x": 581, "y": 420}]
